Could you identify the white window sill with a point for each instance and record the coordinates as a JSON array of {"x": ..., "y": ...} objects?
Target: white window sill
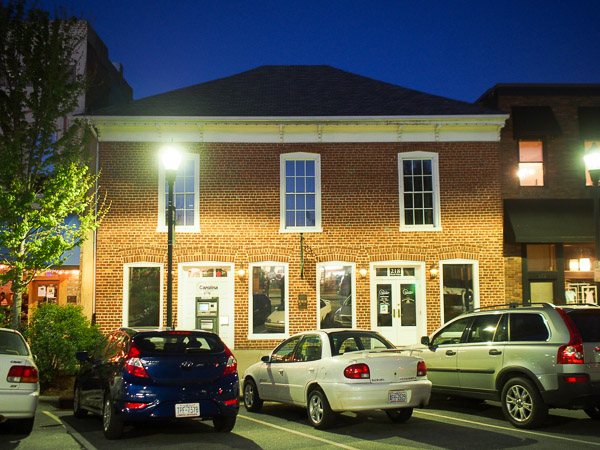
[
  {"x": 179, "y": 230},
  {"x": 419, "y": 228},
  {"x": 301, "y": 230}
]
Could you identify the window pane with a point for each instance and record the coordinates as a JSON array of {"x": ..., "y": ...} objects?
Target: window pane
[
  {"x": 408, "y": 305},
  {"x": 527, "y": 327},
  {"x": 336, "y": 290},
  {"x": 541, "y": 257},
  {"x": 310, "y": 202},
  {"x": 531, "y": 174},
  {"x": 310, "y": 218},
  {"x": 457, "y": 289},
  {"x": 384, "y": 304},
  {"x": 408, "y": 217},
  {"x": 451, "y": 334},
  {"x": 408, "y": 200},
  {"x": 299, "y": 168},
  {"x": 290, "y": 218},
  {"x": 144, "y": 297},
  {"x": 300, "y": 222},
  {"x": 417, "y": 169},
  {"x": 179, "y": 201},
  {"x": 418, "y": 214},
  {"x": 531, "y": 152},
  {"x": 179, "y": 217},
  {"x": 189, "y": 217},
  {"x": 300, "y": 201},
  {"x": 310, "y": 184},
  {"x": 189, "y": 202},
  {"x": 289, "y": 168},
  {"x": 310, "y": 168},
  {"x": 408, "y": 184},
  {"x": 179, "y": 184},
  {"x": 290, "y": 185},
  {"x": 189, "y": 184},
  {"x": 289, "y": 201},
  {"x": 300, "y": 185},
  {"x": 418, "y": 184},
  {"x": 483, "y": 328},
  {"x": 427, "y": 167},
  {"x": 268, "y": 299}
]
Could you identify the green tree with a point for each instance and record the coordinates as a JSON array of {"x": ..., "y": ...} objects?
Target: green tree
[
  {"x": 44, "y": 175},
  {"x": 55, "y": 333}
]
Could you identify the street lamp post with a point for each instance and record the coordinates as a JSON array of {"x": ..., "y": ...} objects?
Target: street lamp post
[
  {"x": 171, "y": 159},
  {"x": 592, "y": 162}
]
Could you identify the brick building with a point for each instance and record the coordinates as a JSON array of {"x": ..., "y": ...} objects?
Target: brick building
[
  {"x": 307, "y": 197},
  {"x": 549, "y": 229}
]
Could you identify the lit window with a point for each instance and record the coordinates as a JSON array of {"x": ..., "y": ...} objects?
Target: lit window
[
  {"x": 336, "y": 286},
  {"x": 300, "y": 192},
  {"x": 185, "y": 196},
  {"x": 531, "y": 163},
  {"x": 459, "y": 288},
  {"x": 419, "y": 191},
  {"x": 587, "y": 145}
]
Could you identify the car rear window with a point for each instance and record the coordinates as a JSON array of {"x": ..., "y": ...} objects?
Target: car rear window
[
  {"x": 178, "y": 342},
  {"x": 12, "y": 344},
  {"x": 352, "y": 341},
  {"x": 588, "y": 324}
]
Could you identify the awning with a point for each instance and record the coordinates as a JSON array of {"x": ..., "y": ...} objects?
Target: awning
[
  {"x": 531, "y": 122},
  {"x": 548, "y": 220},
  {"x": 589, "y": 123}
]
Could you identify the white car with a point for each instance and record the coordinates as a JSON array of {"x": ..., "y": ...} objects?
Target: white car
[
  {"x": 329, "y": 371},
  {"x": 19, "y": 386}
]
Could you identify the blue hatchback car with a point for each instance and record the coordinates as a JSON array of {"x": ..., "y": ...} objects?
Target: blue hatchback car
[{"x": 138, "y": 375}]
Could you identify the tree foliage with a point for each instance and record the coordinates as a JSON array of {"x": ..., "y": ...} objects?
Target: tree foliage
[
  {"x": 55, "y": 334},
  {"x": 44, "y": 176}
]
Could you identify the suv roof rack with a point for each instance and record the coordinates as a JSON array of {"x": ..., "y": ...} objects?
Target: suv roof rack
[{"x": 513, "y": 305}]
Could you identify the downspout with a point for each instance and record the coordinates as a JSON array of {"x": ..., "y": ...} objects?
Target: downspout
[{"x": 96, "y": 134}]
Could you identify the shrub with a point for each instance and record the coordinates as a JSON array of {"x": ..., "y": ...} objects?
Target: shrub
[
  {"x": 5, "y": 316},
  {"x": 55, "y": 333}
]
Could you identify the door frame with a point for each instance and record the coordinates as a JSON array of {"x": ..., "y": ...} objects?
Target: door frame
[{"x": 420, "y": 295}]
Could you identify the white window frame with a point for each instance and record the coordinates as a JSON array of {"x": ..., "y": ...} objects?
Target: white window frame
[
  {"x": 300, "y": 156},
  {"x": 162, "y": 198},
  {"x": 437, "y": 220},
  {"x": 475, "y": 265},
  {"x": 322, "y": 265},
  {"x": 126, "y": 268},
  {"x": 263, "y": 336}
]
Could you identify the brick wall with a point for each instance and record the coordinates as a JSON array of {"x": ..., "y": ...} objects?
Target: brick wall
[{"x": 239, "y": 220}]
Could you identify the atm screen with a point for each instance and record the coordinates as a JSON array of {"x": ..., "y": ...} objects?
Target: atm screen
[{"x": 202, "y": 306}]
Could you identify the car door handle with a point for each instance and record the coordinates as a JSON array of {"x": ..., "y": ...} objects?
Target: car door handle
[
  {"x": 450, "y": 352},
  {"x": 495, "y": 352},
  {"x": 311, "y": 369},
  {"x": 280, "y": 371}
]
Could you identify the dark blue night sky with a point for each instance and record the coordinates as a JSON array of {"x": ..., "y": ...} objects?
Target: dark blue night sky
[{"x": 457, "y": 49}]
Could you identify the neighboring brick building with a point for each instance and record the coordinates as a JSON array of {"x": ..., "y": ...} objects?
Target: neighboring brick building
[
  {"x": 549, "y": 235},
  {"x": 307, "y": 197}
]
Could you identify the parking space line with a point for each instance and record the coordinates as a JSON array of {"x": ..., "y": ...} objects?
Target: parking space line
[
  {"x": 52, "y": 416},
  {"x": 519, "y": 430},
  {"x": 277, "y": 427}
]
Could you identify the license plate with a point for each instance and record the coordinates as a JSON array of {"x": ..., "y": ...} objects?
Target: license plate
[
  {"x": 397, "y": 396},
  {"x": 187, "y": 410}
]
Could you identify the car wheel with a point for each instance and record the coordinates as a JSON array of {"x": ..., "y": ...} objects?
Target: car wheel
[
  {"x": 594, "y": 411},
  {"x": 522, "y": 404},
  {"x": 22, "y": 426},
  {"x": 78, "y": 411},
  {"x": 113, "y": 427},
  {"x": 319, "y": 412},
  {"x": 224, "y": 424},
  {"x": 399, "y": 415},
  {"x": 252, "y": 401}
]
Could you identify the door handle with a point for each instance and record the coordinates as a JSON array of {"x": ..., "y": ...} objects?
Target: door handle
[
  {"x": 495, "y": 352},
  {"x": 280, "y": 371},
  {"x": 311, "y": 369},
  {"x": 450, "y": 352}
]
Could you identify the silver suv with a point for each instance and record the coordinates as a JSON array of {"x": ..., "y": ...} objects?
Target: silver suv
[{"x": 531, "y": 357}]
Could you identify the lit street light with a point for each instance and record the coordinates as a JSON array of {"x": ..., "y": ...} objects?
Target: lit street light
[
  {"x": 592, "y": 162},
  {"x": 171, "y": 158}
]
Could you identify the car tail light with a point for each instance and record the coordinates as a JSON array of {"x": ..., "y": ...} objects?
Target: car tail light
[
  {"x": 574, "y": 379},
  {"x": 572, "y": 353},
  {"x": 421, "y": 369},
  {"x": 231, "y": 402},
  {"x": 133, "y": 363},
  {"x": 231, "y": 366},
  {"x": 132, "y": 405},
  {"x": 357, "y": 371},
  {"x": 22, "y": 374}
]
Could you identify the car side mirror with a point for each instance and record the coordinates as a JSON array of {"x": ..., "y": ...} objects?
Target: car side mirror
[
  {"x": 425, "y": 341},
  {"x": 82, "y": 356},
  {"x": 266, "y": 359}
]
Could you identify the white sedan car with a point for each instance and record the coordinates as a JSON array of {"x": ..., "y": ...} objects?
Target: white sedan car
[
  {"x": 19, "y": 387},
  {"x": 334, "y": 370}
]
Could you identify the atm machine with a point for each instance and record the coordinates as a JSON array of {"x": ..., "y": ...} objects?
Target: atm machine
[{"x": 207, "y": 314}]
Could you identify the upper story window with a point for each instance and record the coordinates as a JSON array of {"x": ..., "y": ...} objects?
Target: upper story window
[
  {"x": 531, "y": 163},
  {"x": 419, "y": 191},
  {"x": 300, "y": 175},
  {"x": 586, "y": 146},
  {"x": 185, "y": 196}
]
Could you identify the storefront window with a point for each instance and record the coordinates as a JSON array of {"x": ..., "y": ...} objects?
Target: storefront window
[
  {"x": 579, "y": 275},
  {"x": 336, "y": 285},
  {"x": 268, "y": 305},
  {"x": 143, "y": 299},
  {"x": 458, "y": 289}
]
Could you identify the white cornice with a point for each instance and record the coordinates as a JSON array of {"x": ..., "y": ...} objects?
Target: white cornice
[{"x": 300, "y": 129}]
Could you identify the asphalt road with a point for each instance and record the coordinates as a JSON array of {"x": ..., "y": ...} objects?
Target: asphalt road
[{"x": 445, "y": 423}]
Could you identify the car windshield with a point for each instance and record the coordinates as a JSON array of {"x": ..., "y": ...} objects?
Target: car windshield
[
  {"x": 178, "y": 342},
  {"x": 12, "y": 344},
  {"x": 588, "y": 323},
  {"x": 352, "y": 341}
]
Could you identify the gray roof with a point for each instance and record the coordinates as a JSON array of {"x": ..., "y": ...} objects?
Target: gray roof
[{"x": 294, "y": 91}]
